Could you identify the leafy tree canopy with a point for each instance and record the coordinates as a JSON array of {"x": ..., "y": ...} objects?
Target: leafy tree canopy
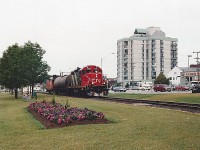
[
  {"x": 10, "y": 70},
  {"x": 23, "y": 65},
  {"x": 36, "y": 69},
  {"x": 161, "y": 79},
  {"x": 127, "y": 85}
]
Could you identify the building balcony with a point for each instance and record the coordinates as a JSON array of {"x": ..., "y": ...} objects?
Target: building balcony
[
  {"x": 126, "y": 47},
  {"x": 174, "y": 58},
  {"x": 153, "y": 64},
  {"x": 153, "y": 42},
  {"x": 173, "y": 49},
  {"x": 125, "y": 56},
  {"x": 174, "y": 53},
  {"x": 174, "y": 44}
]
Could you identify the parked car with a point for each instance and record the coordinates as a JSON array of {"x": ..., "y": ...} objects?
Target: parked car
[
  {"x": 173, "y": 87},
  {"x": 119, "y": 89},
  {"x": 182, "y": 88},
  {"x": 143, "y": 88},
  {"x": 196, "y": 89},
  {"x": 161, "y": 87}
]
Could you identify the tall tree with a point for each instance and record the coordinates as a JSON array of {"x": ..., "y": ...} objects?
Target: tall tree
[
  {"x": 161, "y": 79},
  {"x": 11, "y": 75},
  {"x": 36, "y": 69}
]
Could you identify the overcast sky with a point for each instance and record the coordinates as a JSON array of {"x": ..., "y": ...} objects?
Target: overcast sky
[{"x": 76, "y": 33}]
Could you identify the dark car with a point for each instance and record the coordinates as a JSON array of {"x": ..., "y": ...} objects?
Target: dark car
[
  {"x": 196, "y": 89},
  {"x": 182, "y": 88},
  {"x": 161, "y": 87}
]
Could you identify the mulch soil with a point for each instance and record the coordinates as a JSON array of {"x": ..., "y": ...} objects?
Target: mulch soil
[{"x": 49, "y": 125}]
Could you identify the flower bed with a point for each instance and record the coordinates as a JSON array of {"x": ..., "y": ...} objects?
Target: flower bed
[{"x": 57, "y": 115}]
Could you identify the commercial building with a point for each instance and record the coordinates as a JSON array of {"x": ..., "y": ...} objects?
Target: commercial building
[
  {"x": 144, "y": 55},
  {"x": 182, "y": 75},
  {"x": 189, "y": 75}
]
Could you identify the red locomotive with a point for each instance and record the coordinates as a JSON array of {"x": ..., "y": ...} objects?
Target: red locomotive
[{"x": 86, "y": 81}]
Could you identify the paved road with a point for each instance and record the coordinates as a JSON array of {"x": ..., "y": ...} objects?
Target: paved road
[{"x": 151, "y": 92}]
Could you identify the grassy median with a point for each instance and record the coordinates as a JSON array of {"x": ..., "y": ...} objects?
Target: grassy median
[
  {"x": 193, "y": 98},
  {"x": 133, "y": 127}
]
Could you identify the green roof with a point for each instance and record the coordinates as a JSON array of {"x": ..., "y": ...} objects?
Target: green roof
[{"x": 140, "y": 31}]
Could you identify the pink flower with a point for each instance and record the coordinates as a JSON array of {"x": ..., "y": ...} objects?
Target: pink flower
[
  {"x": 59, "y": 120},
  {"x": 40, "y": 110},
  {"x": 68, "y": 119},
  {"x": 51, "y": 118}
]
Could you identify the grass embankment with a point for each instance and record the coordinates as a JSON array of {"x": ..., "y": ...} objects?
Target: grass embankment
[
  {"x": 175, "y": 97},
  {"x": 135, "y": 127}
]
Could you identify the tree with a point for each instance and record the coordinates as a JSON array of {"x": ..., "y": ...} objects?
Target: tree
[
  {"x": 127, "y": 85},
  {"x": 10, "y": 69},
  {"x": 118, "y": 84},
  {"x": 22, "y": 66},
  {"x": 161, "y": 79},
  {"x": 36, "y": 69}
]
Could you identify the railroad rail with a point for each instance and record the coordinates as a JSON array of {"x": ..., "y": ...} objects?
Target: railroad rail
[{"x": 194, "y": 108}]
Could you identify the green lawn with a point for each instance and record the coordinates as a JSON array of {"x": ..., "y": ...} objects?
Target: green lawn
[
  {"x": 174, "y": 97},
  {"x": 134, "y": 127}
]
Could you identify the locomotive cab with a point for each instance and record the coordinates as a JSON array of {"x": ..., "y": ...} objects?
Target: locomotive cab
[
  {"x": 91, "y": 76},
  {"x": 92, "y": 79}
]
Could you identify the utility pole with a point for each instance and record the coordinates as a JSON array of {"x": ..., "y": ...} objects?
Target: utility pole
[
  {"x": 189, "y": 68},
  {"x": 197, "y": 64}
]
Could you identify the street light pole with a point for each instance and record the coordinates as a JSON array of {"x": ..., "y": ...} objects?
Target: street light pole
[
  {"x": 102, "y": 63},
  {"x": 197, "y": 65},
  {"x": 104, "y": 58},
  {"x": 189, "y": 68}
]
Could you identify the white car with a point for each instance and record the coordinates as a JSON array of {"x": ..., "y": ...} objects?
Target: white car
[
  {"x": 119, "y": 89},
  {"x": 143, "y": 88}
]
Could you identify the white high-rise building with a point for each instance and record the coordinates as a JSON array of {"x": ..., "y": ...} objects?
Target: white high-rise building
[{"x": 143, "y": 56}]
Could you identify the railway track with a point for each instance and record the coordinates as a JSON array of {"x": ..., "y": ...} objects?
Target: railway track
[{"x": 194, "y": 108}]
